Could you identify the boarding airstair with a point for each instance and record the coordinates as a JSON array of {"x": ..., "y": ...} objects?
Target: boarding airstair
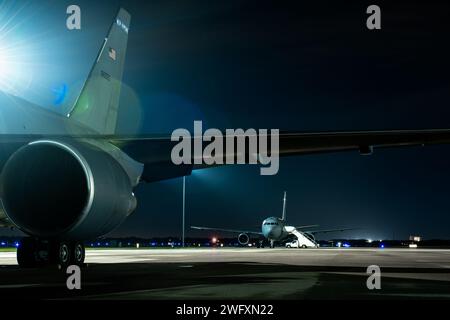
[{"x": 304, "y": 239}]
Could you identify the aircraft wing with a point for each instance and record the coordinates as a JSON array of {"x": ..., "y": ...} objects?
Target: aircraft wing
[
  {"x": 328, "y": 230},
  {"x": 155, "y": 151},
  {"x": 309, "y": 226},
  {"x": 4, "y": 221},
  {"x": 226, "y": 230}
]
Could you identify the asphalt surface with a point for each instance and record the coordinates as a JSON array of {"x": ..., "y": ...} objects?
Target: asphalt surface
[{"x": 237, "y": 274}]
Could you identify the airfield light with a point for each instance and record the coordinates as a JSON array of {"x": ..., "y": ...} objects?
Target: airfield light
[
  {"x": 184, "y": 209},
  {"x": 214, "y": 240},
  {"x": 369, "y": 240}
]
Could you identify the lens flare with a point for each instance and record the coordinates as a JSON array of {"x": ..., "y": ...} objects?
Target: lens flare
[
  {"x": 15, "y": 52},
  {"x": 13, "y": 75}
]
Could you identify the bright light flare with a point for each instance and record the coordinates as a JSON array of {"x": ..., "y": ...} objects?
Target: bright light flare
[
  {"x": 17, "y": 51},
  {"x": 14, "y": 74},
  {"x": 7, "y": 70}
]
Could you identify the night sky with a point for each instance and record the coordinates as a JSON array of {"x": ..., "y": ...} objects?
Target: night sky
[{"x": 268, "y": 64}]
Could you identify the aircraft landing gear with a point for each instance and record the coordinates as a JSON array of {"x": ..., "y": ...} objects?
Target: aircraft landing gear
[
  {"x": 78, "y": 254},
  {"x": 26, "y": 253},
  {"x": 261, "y": 244},
  {"x": 35, "y": 252},
  {"x": 272, "y": 244},
  {"x": 63, "y": 254}
]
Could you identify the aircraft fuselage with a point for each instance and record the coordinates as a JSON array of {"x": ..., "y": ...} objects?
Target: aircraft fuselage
[{"x": 273, "y": 229}]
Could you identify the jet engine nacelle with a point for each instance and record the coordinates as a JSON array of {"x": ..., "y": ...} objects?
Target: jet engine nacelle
[
  {"x": 68, "y": 189},
  {"x": 243, "y": 239}
]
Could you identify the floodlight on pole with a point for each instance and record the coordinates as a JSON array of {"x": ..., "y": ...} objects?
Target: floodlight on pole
[{"x": 184, "y": 207}]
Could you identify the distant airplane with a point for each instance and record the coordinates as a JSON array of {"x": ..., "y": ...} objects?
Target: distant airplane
[
  {"x": 274, "y": 229},
  {"x": 68, "y": 178}
]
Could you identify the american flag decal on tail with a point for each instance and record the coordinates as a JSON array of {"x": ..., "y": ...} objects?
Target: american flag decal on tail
[{"x": 112, "y": 54}]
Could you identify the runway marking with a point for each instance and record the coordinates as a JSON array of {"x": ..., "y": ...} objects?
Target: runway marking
[
  {"x": 14, "y": 286},
  {"x": 416, "y": 275},
  {"x": 284, "y": 284},
  {"x": 419, "y": 295},
  {"x": 341, "y": 257},
  {"x": 7, "y": 254}
]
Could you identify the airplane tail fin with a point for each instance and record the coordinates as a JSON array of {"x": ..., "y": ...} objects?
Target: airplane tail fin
[
  {"x": 283, "y": 217},
  {"x": 97, "y": 105}
]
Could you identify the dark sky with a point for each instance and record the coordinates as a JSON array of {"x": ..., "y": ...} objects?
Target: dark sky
[{"x": 312, "y": 66}]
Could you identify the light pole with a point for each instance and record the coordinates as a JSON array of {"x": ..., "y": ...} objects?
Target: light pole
[{"x": 184, "y": 205}]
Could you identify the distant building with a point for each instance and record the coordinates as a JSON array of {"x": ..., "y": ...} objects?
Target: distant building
[{"x": 415, "y": 238}]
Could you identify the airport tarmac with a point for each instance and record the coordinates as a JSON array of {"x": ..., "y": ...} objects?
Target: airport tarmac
[{"x": 238, "y": 273}]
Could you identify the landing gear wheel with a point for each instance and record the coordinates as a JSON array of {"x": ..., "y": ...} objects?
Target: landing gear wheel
[
  {"x": 64, "y": 254},
  {"x": 26, "y": 253},
  {"x": 34, "y": 252},
  {"x": 78, "y": 254}
]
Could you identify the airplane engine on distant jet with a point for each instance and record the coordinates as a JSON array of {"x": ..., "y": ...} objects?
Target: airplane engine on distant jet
[
  {"x": 243, "y": 239},
  {"x": 65, "y": 189}
]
